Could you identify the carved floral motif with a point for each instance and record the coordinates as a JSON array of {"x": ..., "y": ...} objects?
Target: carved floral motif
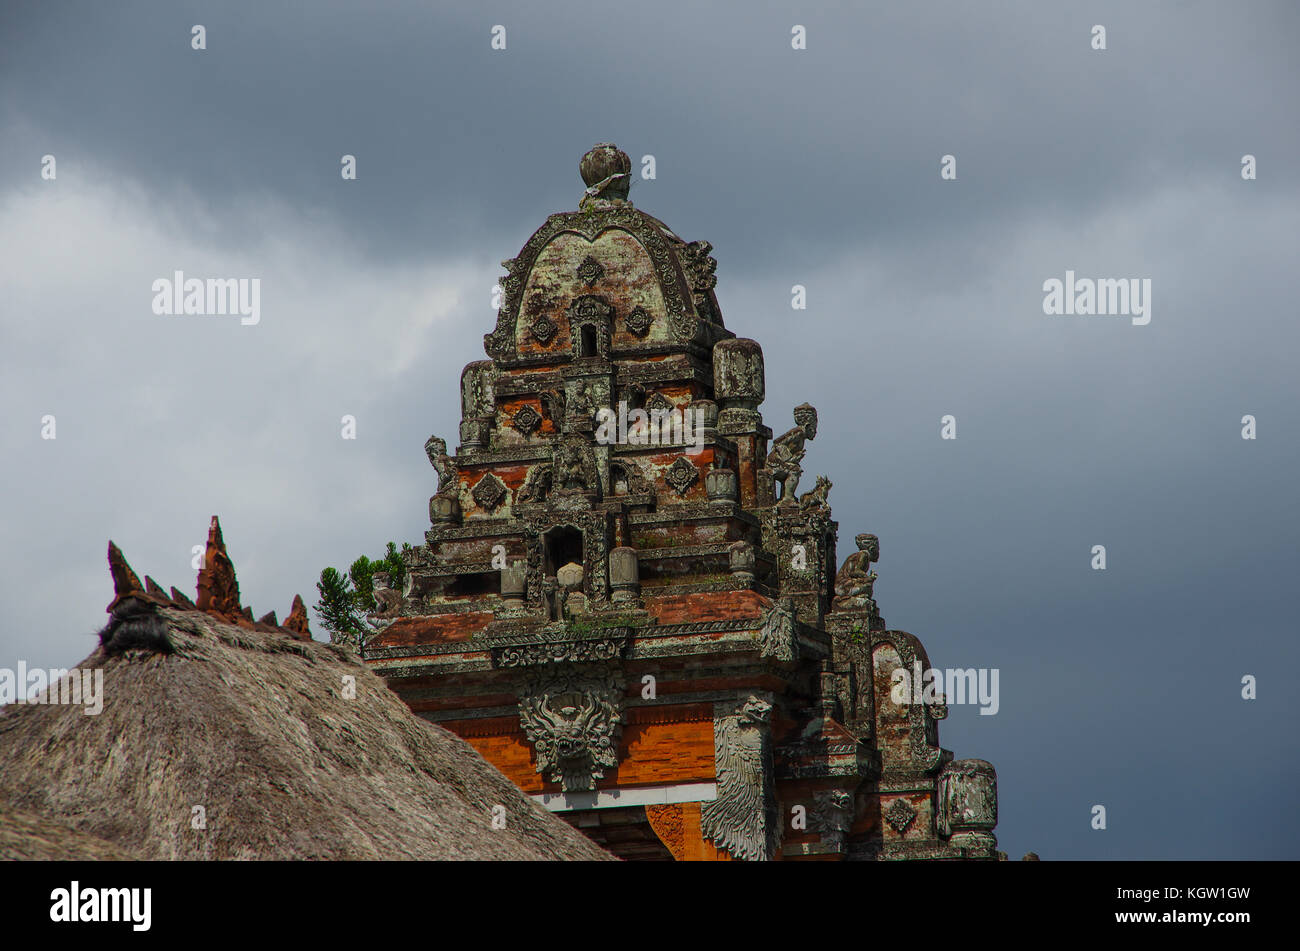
[
  {"x": 590, "y": 271},
  {"x": 526, "y": 419},
  {"x": 681, "y": 475},
  {"x": 638, "y": 321},
  {"x": 489, "y": 491},
  {"x": 900, "y": 815}
]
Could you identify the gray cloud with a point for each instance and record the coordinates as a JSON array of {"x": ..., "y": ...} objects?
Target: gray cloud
[{"x": 821, "y": 168}]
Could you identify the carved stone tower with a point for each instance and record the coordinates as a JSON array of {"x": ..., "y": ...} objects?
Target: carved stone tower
[{"x": 624, "y": 602}]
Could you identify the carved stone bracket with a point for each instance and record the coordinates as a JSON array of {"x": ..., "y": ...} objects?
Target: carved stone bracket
[
  {"x": 573, "y": 717},
  {"x": 743, "y": 818},
  {"x": 924, "y": 746},
  {"x": 833, "y": 817},
  {"x": 779, "y": 632}
]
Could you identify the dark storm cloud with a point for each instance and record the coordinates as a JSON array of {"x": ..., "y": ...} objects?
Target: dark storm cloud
[{"x": 818, "y": 167}]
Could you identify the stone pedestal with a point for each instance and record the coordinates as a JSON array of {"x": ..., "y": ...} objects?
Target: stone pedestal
[
  {"x": 624, "y": 576},
  {"x": 742, "y": 561},
  {"x": 444, "y": 509},
  {"x": 721, "y": 485}
]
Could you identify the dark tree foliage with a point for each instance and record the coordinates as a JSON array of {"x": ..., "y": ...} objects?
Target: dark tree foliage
[{"x": 345, "y": 600}]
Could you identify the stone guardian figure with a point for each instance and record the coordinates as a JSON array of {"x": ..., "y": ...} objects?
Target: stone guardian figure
[{"x": 788, "y": 452}]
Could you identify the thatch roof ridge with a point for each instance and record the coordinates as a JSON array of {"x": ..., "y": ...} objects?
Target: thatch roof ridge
[
  {"x": 218, "y": 591},
  {"x": 264, "y": 732}
]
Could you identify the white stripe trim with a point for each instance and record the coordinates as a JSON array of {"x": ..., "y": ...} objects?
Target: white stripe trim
[{"x": 641, "y": 796}]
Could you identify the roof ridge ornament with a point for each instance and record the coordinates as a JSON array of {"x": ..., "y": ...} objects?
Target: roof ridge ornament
[{"x": 607, "y": 172}]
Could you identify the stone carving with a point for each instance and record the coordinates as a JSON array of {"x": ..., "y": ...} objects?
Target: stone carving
[
  {"x": 544, "y": 329},
  {"x": 436, "y": 449},
  {"x": 968, "y": 797},
  {"x": 590, "y": 271},
  {"x": 779, "y": 632},
  {"x": 489, "y": 491},
  {"x": 526, "y": 419},
  {"x": 900, "y": 815},
  {"x": 816, "y": 498},
  {"x": 721, "y": 485},
  {"x": 573, "y": 717},
  {"x": 741, "y": 561},
  {"x": 606, "y": 171},
  {"x": 681, "y": 475},
  {"x": 476, "y": 398},
  {"x": 742, "y": 819},
  {"x": 658, "y": 401},
  {"x": 624, "y": 575},
  {"x": 593, "y": 310},
  {"x": 574, "y": 466},
  {"x": 638, "y": 321},
  {"x": 923, "y": 750},
  {"x": 855, "y": 579},
  {"x": 558, "y": 652},
  {"x": 699, "y": 268},
  {"x": 580, "y": 404},
  {"x": 833, "y": 817},
  {"x": 738, "y": 374},
  {"x": 788, "y": 451},
  {"x": 553, "y": 406},
  {"x": 537, "y": 485},
  {"x": 626, "y": 479},
  {"x": 388, "y": 601}
]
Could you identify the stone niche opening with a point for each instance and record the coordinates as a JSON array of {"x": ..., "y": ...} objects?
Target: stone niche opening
[
  {"x": 480, "y": 585},
  {"x": 560, "y": 546},
  {"x": 587, "y": 344}
]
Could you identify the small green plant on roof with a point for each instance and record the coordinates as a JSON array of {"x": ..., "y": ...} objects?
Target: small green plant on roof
[
  {"x": 346, "y": 599},
  {"x": 857, "y": 632}
]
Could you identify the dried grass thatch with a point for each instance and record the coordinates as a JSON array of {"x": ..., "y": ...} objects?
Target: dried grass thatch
[
  {"x": 26, "y": 836},
  {"x": 253, "y": 725}
]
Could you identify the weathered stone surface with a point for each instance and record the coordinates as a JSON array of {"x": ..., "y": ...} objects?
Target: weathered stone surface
[{"x": 667, "y": 625}]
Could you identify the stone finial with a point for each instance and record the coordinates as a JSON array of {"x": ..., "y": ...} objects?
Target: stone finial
[
  {"x": 606, "y": 171},
  {"x": 624, "y": 574},
  {"x": 738, "y": 376},
  {"x": 570, "y": 576},
  {"x": 968, "y": 804},
  {"x": 514, "y": 582},
  {"x": 742, "y": 561},
  {"x": 218, "y": 588},
  {"x": 296, "y": 622}
]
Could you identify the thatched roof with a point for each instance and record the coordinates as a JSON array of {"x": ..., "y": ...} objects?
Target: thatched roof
[
  {"x": 251, "y": 722},
  {"x": 27, "y": 836}
]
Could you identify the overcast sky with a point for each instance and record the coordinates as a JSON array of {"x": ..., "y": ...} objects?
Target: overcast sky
[{"x": 818, "y": 167}]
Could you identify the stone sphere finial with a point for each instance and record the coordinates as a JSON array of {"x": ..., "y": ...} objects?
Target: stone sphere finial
[{"x": 606, "y": 170}]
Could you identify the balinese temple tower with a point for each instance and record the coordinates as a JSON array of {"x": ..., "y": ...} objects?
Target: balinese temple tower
[{"x": 643, "y": 625}]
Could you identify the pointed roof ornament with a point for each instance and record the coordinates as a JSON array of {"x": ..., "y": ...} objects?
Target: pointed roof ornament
[
  {"x": 218, "y": 588},
  {"x": 125, "y": 581}
]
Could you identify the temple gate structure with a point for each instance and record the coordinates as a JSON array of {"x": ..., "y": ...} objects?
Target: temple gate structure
[{"x": 649, "y": 634}]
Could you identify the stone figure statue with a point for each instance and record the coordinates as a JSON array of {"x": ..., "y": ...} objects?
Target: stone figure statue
[
  {"x": 436, "y": 449},
  {"x": 788, "y": 451},
  {"x": 388, "y": 600},
  {"x": 855, "y": 580},
  {"x": 816, "y": 498}
]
